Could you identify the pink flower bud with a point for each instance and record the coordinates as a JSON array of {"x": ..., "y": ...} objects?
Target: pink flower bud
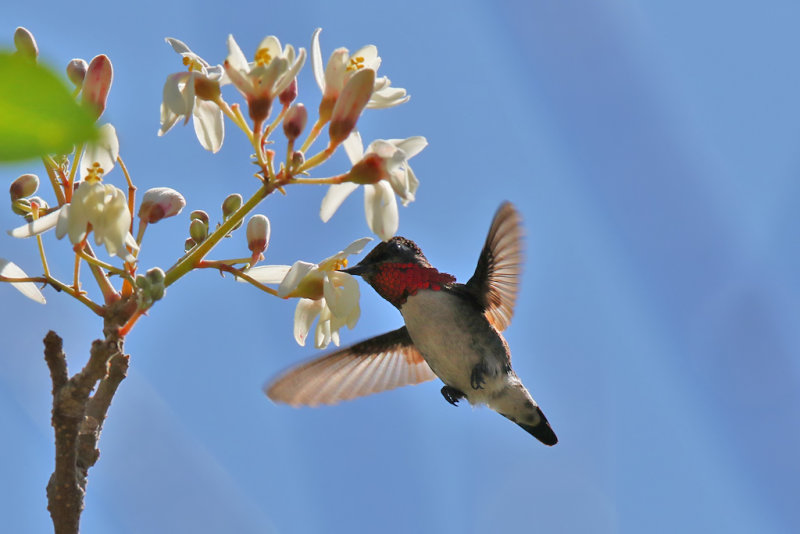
[
  {"x": 258, "y": 232},
  {"x": 76, "y": 71},
  {"x": 295, "y": 121},
  {"x": 25, "y": 43},
  {"x": 350, "y": 104},
  {"x": 288, "y": 95},
  {"x": 159, "y": 203},
  {"x": 97, "y": 83},
  {"x": 24, "y": 186}
]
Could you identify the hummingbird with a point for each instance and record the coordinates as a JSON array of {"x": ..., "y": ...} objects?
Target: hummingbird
[{"x": 452, "y": 331}]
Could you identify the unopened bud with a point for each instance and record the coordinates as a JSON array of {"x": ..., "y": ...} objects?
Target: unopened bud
[
  {"x": 159, "y": 203},
  {"x": 295, "y": 121},
  {"x": 198, "y": 230},
  {"x": 288, "y": 95},
  {"x": 151, "y": 288},
  {"x": 232, "y": 203},
  {"x": 21, "y": 206},
  {"x": 97, "y": 83},
  {"x": 25, "y": 43},
  {"x": 189, "y": 244},
  {"x": 199, "y": 215},
  {"x": 24, "y": 186},
  {"x": 258, "y": 231},
  {"x": 76, "y": 71},
  {"x": 298, "y": 158},
  {"x": 156, "y": 278},
  {"x": 350, "y": 104},
  {"x": 370, "y": 169}
]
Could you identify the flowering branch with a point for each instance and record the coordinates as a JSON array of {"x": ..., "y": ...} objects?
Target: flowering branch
[{"x": 88, "y": 206}]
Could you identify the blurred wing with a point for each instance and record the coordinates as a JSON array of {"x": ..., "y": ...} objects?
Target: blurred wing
[
  {"x": 378, "y": 364},
  {"x": 499, "y": 266}
]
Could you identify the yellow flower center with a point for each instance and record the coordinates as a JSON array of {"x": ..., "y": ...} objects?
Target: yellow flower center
[
  {"x": 263, "y": 57},
  {"x": 95, "y": 173},
  {"x": 355, "y": 63},
  {"x": 193, "y": 64}
]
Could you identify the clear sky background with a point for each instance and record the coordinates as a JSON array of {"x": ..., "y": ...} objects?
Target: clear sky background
[{"x": 653, "y": 149}]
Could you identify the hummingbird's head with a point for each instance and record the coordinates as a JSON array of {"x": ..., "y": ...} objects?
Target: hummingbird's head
[
  {"x": 397, "y": 251},
  {"x": 397, "y": 268}
]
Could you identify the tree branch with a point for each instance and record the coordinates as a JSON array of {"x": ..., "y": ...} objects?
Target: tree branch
[{"x": 78, "y": 416}]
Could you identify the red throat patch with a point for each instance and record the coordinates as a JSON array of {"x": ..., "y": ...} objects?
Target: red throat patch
[{"x": 397, "y": 281}]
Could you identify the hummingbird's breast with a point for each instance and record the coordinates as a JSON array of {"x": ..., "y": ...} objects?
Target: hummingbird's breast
[{"x": 453, "y": 336}]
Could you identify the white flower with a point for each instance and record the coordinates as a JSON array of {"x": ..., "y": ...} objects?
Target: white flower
[
  {"x": 341, "y": 66},
  {"x": 324, "y": 292},
  {"x": 384, "y": 171},
  {"x": 106, "y": 209},
  {"x": 267, "y": 77},
  {"x": 191, "y": 94}
]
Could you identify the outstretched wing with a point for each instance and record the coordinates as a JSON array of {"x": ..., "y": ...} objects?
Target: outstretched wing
[
  {"x": 499, "y": 267},
  {"x": 378, "y": 364}
]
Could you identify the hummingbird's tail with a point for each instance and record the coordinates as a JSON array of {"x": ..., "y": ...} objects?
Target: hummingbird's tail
[
  {"x": 514, "y": 402},
  {"x": 540, "y": 431}
]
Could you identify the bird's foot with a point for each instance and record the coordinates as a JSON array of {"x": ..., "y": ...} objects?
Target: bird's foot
[
  {"x": 476, "y": 379},
  {"x": 452, "y": 395}
]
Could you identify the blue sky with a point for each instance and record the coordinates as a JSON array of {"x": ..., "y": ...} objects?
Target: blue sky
[{"x": 653, "y": 150}]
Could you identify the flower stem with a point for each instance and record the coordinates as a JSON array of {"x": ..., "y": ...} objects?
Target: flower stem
[
  {"x": 313, "y": 134},
  {"x": 222, "y": 266},
  {"x": 196, "y": 255},
  {"x": 317, "y": 159},
  {"x": 49, "y": 166},
  {"x": 324, "y": 181}
]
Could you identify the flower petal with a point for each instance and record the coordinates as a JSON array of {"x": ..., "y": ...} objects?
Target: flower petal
[
  {"x": 268, "y": 274},
  {"x": 316, "y": 60},
  {"x": 341, "y": 293},
  {"x": 336, "y": 194},
  {"x": 411, "y": 146},
  {"x": 208, "y": 125},
  {"x": 104, "y": 151},
  {"x": 42, "y": 224},
  {"x": 29, "y": 289},
  {"x": 380, "y": 208},
  {"x": 236, "y": 57},
  {"x": 294, "y": 276},
  {"x": 354, "y": 147},
  {"x": 356, "y": 246},
  {"x": 304, "y": 314}
]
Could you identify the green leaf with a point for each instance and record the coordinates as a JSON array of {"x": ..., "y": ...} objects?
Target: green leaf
[{"x": 38, "y": 114}]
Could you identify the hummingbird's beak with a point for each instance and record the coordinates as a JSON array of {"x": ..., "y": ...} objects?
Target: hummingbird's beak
[{"x": 356, "y": 270}]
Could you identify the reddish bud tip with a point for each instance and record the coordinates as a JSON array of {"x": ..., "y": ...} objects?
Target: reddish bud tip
[
  {"x": 288, "y": 95},
  {"x": 295, "y": 121},
  {"x": 159, "y": 203},
  {"x": 97, "y": 83},
  {"x": 24, "y": 186},
  {"x": 258, "y": 231}
]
